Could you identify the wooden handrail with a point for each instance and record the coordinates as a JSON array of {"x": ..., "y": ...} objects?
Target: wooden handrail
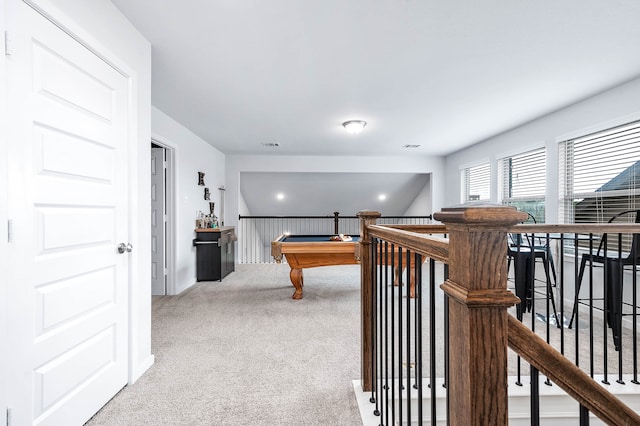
[
  {"x": 420, "y": 229},
  {"x": 568, "y": 376},
  {"x": 577, "y": 228},
  {"x": 430, "y": 246},
  {"x": 480, "y": 329}
]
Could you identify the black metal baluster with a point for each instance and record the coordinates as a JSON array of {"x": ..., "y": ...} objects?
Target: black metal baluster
[
  {"x": 634, "y": 314},
  {"x": 386, "y": 332},
  {"x": 408, "y": 332},
  {"x": 520, "y": 306},
  {"x": 446, "y": 342},
  {"x": 615, "y": 317},
  {"x": 432, "y": 338},
  {"x": 376, "y": 328},
  {"x": 576, "y": 274},
  {"x": 604, "y": 319},
  {"x": 535, "y": 397},
  {"x": 393, "y": 337},
  {"x": 374, "y": 381},
  {"x": 532, "y": 277},
  {"x": 418, "y": 306},
  {"x": 417, "y": 330},
  {"x": 548, "y": 292},
  {"x": 398, "y": 274},
  {"x": 550, "y": 295},
  {"x": 562, "y": 293},
  {"x": 591, "y": 323},
  {"x": 584, "y": 416},
  {"x": 583, "y": 412}
]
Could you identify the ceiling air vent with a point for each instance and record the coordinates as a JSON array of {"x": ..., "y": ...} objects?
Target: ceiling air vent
[
  {"x": 410, "y": 146},
  {"x": 270, "y": 144}
]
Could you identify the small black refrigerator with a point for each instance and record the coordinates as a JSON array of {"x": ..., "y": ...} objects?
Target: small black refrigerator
[{"x": 215, "y": 253}]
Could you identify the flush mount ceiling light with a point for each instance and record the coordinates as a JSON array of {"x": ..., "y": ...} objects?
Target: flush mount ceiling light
[{"x": 354, "y": 126}]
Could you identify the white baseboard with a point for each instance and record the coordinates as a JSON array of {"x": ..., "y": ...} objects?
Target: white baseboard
[
  {"x": 138, "y": 370},
  {"x": 556, "y": 407}
]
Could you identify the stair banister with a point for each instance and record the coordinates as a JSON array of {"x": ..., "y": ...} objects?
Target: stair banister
[
  {"x": 478, "y": 303},
  {"x": 367, "y": 217}
]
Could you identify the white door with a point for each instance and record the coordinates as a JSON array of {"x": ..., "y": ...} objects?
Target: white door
[
  {"x": 68, "y": 201},
  {"x": 158, "y": 221}
]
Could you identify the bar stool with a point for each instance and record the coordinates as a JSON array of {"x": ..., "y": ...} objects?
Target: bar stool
[
  {"x": 524, "y": 255},
  {"x": 613, "y": 277}
]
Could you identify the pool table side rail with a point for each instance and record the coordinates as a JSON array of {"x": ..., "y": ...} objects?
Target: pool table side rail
[{"x": 278, "y": 247}]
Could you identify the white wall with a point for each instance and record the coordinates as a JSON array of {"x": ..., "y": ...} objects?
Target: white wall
[
  {"x": 191, "y": 155},
  {"x": 237, "y": 164},
  {"x": 4, "y": 246},
  {"x": 248, "y": 232},
  {"x": 615, "y": 106},
  {"x": 101, "y": 27},
  {"x": 421, "y": 205}
]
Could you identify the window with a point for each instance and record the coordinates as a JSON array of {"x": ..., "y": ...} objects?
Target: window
[
  {"x": 476, "y": 183},
  {"x": 522, "y": 180},
  {"x": 600, "y": 174}
]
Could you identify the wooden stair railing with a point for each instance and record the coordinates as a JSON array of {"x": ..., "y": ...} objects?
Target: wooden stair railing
[
  {"x": 478, "y": 303},
  {"x": 480, "y": 328},
  {"x": 570, "y": 378},
  {"x": 406, "y": 236}
]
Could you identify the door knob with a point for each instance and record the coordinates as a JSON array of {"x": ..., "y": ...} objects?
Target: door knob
[{"x": 122, "y": 247}]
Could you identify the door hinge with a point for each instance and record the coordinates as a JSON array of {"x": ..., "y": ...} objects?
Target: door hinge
[
  {"x": 10, "y": 231},
  {"x": 8, "y": 44}
]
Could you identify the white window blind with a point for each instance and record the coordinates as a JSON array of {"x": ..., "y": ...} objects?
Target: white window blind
[
  {"x": 523, "y": 182},
  {"x": 600, "y": 174},
  {"x": 477, "y": 183}
]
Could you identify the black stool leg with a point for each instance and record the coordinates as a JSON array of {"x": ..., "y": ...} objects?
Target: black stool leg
[{"x": 583, "y": 263}]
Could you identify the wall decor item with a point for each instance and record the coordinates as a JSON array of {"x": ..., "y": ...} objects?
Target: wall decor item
[
  {"x": 207, "y": 195},
  {"x": 211, "y": 206},
  {"x": 200, "y": 178},
  {"x": 221, "y": 188}
]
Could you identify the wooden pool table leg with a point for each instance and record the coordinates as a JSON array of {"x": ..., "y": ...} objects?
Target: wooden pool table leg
[
  {"x": 297, "y": 281},
  {"x": 412, "y": 280}
]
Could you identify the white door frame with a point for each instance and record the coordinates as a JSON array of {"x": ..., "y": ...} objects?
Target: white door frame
[
  {"x": 112, "y": 323},
  {"x": 139, "y": 359},
  {"x": 170, "y": 194},
  {"x": 132, "y": 58},
  {"x": 4, "y": 225}
]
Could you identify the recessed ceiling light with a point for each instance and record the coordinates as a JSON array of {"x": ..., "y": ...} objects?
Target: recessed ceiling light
[
  {"x": 354, "y": 126},
  {"x": 382, "y": 197},
  {"x": 280, "y": 196}
]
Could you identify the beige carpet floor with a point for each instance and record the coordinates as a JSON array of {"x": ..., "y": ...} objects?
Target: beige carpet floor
[{"x": 242, "y": 352}]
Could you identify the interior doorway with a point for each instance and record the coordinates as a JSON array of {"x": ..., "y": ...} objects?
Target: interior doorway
[
  {"x": 68, "y": 349},
  {"x": 162, "y": 214}
]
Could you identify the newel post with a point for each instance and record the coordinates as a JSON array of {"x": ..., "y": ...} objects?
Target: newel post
[
  {"x": 367, "y": 217},
  {"x": 478, "y": 302}
]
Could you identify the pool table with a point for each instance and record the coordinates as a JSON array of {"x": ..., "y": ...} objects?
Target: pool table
[{"x": 309, "y": 251}]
